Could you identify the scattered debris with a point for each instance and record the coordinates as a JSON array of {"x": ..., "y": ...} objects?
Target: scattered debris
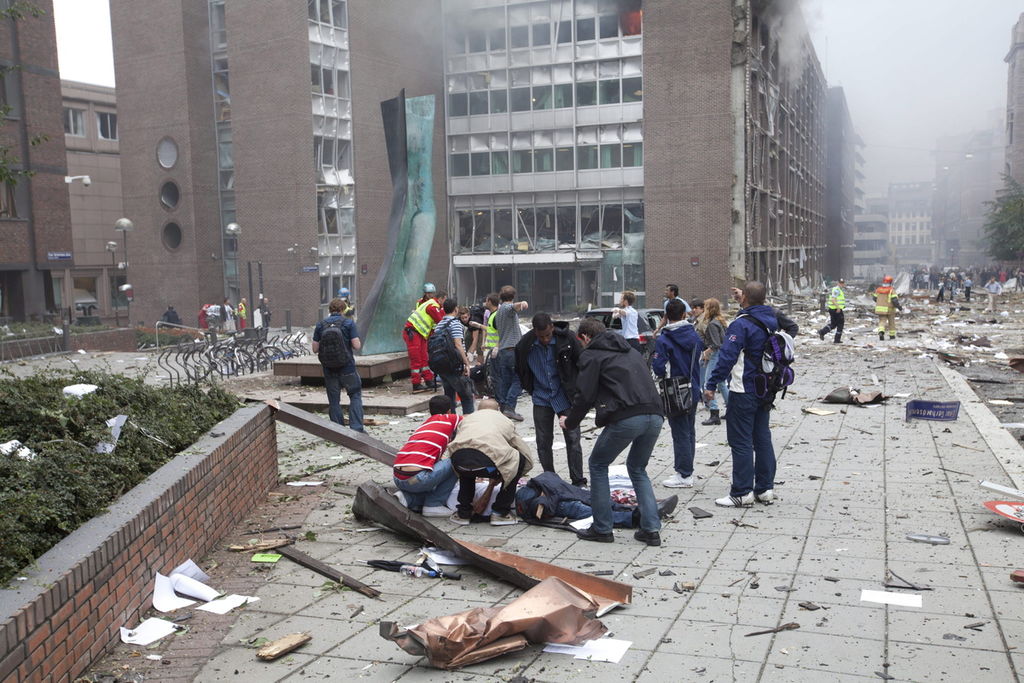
[
  {"x": 943, "y": 411},
  {"x": 1017, "y": 576},
  {"x": 699, "y": 513},
  {"x": 809, "y": 606},
  {"x": 684, "y": 586},
  {"x": 356, "y": 612},
  {"x": 818, "y": 411},
  {"x": 283, "y": 646},
  {"x": 976, "y": 626},
  {"x": 852, "y": 396},
  {"x": 889, "y": 583},
  {"x": 926, "y": 538},
  {"x": 600, "y": 650},
  {"x": 833, "y": 579},
  {"x": 887, "y": 598},
  {"x": 884, "y": 676},
  {"x": 644, "y": 572},
  {"x": 952, "y": 636},
  {"x": 742, "y": 525},
  {"x": 714, "y": 463},
  {"x": 785, "y": 627},
  {"x": 149, "y": 631},
  {"x": 666, "y": 572},
  {"x": 602, "y": 572},
  {"x": 785, "y": 589},
  {"x": 260, "y": 546},
  {"x": 319, "y": 567}
]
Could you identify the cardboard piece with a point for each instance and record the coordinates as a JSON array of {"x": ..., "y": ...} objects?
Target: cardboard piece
[
  {"x": 887, "y": 598},
  {"x": 149, "y": 631}
]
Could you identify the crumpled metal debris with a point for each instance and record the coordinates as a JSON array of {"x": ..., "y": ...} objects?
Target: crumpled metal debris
[
  {"x": 551, "y": 612},
  {"x": 852, "y": 396}
]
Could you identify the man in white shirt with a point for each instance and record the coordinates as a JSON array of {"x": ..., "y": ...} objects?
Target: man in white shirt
[
  {"x": 994, "y": 289},
  {"x": 628, "y": 315}
]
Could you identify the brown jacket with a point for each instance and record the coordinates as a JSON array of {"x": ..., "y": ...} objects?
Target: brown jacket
[{"x": 495, "y": 436}]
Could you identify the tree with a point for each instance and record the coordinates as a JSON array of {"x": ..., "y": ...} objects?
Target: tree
[
  {"x": 10, "y": 174},
  {"x": 1004, "y": 222}
]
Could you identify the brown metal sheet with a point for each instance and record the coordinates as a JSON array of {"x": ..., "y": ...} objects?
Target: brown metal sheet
[
  {"x": 375, "y": 504},
  {"x": 325, "y": 429}
]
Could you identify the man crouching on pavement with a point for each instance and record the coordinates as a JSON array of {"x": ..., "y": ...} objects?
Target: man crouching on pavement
[
  {"x": 614, "y": 377},
  {"x": 486, "y": 446}
]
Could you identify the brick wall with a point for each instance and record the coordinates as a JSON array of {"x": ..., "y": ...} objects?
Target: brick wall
[
  {"x": 106, "y": 340},
  {"x": 55, "y": 624}
]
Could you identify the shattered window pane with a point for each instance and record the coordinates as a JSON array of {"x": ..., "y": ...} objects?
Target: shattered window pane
[
  {"x": 584, "y": 29},
  {"x": 564, "y": 32},
  {"x": 567, "y": 225},
  {"x": 477, "y": 40},
  {"x": 497, "y": 38},
  {"x": 609, "y": 26}
]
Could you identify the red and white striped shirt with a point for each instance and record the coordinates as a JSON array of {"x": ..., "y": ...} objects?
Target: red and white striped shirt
[{"x": 427, "y": 444}]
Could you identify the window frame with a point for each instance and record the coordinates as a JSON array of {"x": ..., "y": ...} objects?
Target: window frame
[{"x": 72, "y": 115}]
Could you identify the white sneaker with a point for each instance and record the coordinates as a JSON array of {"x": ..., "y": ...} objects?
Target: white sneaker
[
  {"x": 437, "y": 511},
  {"x": 401, "y": 498},
  {"x": 503, "y": 520},
  {"x": 767, "y": 497},
  {"x": 734, "y": 502},
  {"x": 676, "y": 481}
]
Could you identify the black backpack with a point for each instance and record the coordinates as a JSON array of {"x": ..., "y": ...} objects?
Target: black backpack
[
  {"x": 774, "y": 373},
  {"x": 333, "y": 351},
  {"x": 442, "y": 357}
]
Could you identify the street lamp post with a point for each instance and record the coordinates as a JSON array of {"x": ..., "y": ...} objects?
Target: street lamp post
[
  {"x": 124, "y": 226},
  {"x": 112, "y": 248}
]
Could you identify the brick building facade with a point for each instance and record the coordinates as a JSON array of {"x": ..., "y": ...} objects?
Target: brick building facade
[
  {"x": 35, "y": 225},
  {"x": 1015, "y": 103}
]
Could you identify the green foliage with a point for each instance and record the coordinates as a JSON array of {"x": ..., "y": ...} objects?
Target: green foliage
[
  {"x": 1004, "y": 223},
  {"x": 68, "y": 483},
  {"x": 145, "y": 337}
]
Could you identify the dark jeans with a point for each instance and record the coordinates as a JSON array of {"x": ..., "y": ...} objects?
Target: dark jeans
[
  {"x": 544, "y": 425},
  {"x": 506, "y": 384},
  {"x": 967, "y": 293},
  {"x": 459, "y": 384},
  {"x": 334, "y": 381},
  {"x": 470, "y": 464},
  {"x": 753, "y": 456},
  {"x": 836, "y": 320},
  {"x": 640, "y": 433},
  {"x": 635, "y": 343},
  {"x": 684, "y": 442},
  {"x": 622, "y": 515}
]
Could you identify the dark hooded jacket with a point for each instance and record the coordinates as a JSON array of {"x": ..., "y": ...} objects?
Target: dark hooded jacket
[
  {"x": 680, "y": 347},
  {"x": 567, "y": 354},
  {"x": 549, "y": 490},
  {"x": 615, "y": 379}
]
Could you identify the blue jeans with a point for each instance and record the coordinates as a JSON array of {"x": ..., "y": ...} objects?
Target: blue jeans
[
  {"x": 753, "y": 456},
  {"x": 507, "y": 387},
  {"x": 723, "y": 387},
  {"x": 429, "y": 488},
  {"x": 334, "y": 381},
  {"x": 642, "y": 432},
  {"x": 459, "y": 384},
  {"x": 684, "y": 442},
  {"x": 622, "y": 515}
]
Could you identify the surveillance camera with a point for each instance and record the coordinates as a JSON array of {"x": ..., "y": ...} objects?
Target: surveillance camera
[{"x": 87, "y": 181}]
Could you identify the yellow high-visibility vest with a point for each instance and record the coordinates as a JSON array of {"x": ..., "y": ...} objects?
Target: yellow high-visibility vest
[
  {"x": 491, "y": 338},
  {"x": 421, "y": 320},
  {"x": 837, "y": 299},
  {"x": 884, "y": 296}
]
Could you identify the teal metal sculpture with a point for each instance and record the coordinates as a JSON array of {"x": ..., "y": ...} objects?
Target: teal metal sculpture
[{"x": 409, "y": 131}]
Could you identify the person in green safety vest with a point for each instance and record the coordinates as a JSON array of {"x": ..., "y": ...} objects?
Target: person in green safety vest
[
  {"x": 836, "y": 317},
  {"x": 415, "y": 334}
]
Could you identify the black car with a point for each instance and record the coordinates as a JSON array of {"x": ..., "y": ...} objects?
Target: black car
[{"x": 647, "y": 322}]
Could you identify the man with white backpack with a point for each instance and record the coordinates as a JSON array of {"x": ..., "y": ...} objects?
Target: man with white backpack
[{"x": 761, "y": 354}]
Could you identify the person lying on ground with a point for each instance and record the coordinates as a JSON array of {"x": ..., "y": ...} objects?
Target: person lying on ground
[{"x": 549, "y": 498}]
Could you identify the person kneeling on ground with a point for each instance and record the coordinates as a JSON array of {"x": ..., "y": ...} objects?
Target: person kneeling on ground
[
  {"x": 486, "y": 446},
  {"x": 548, "y": 497},
  {"x": 421, "y": 475}
]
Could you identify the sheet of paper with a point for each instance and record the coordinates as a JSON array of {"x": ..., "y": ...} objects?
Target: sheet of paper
[
  {"x": 600, "y": 650},
  {"x": 164, "y": 598},
  {"x": 79, "y": 390},
  {"x": 191, "y": 570},
  {"x": 439, "y": 556},
  {"x": 888, "y": 598},
  {"x": 1012, "y": 425},
  {"x": 226, "y": 604},
  {"x": 305, "y": 483},
  {"x": 149, "y": 631},
  {"x": 186, "y": 585},
  {"x": 269, "y": 558},
  {"x": 582, "y": 523},
  {"x": 819, "y": 411},
  {"x": 115, "y": 424}
]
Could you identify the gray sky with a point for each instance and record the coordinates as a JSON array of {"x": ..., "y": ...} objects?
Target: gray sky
[{"x": 913, "y": 70}]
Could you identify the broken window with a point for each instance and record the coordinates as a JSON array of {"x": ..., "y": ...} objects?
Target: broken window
[
  {"x": 547, "y": 232},
  {"x": 584, "y": 29},
  {"x": 477, "y": 40},
  {"x": 74, "y": 122},
  {"x": 609, "y": 26},
  {"x": 611, "y": 226},
  {"x": 465, "y": 220},
  {"x": 566, "y": 216},
  {"x": 590, "y": 227},
  {"x": 458, "y": 104},
  {"x": 631, "y": 17},
  {"x": 504, "y": 227},
  {"x": 338, "y": 13},
  {"x": 107, "y": 125},
  {"x": 482, "y": 231},
  {"x": 541, "y": 34},
  {"x": 542, "y": 97},
  {"x": 564, "y": 32},
  {"x": 526, "y": 234},
  {"x": 497, "y": 38},
  {"x": 632, "y": 89},
  {"x": 586, "y": 94},
  {"x": 519, "y": 36},
  {"x": 609, "y": 92},
  {"x": 563, "y": 96}
]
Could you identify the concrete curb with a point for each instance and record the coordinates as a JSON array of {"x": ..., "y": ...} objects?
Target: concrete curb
[{"x": 1001, "y": 442}]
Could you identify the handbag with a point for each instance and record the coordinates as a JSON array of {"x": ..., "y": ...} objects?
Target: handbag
[{"x": 676, "y": 394}]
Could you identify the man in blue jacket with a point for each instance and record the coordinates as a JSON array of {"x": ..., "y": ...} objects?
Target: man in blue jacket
[
  {"x": 750, "y": 438},
  {"x": 680, "y": 345}
]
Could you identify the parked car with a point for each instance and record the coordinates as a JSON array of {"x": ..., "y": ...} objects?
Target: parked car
[{"x": 647, "y": 322}]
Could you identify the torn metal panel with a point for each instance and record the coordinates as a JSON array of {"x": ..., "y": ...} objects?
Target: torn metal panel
[
  {"x": 374, "y": 503},
  {"x": 553, "y": 611},
  {"x": 325, "y": 429},
  {"x": 331, "y": 573}
]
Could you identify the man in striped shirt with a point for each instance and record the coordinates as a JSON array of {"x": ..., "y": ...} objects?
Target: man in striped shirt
[{"x": 424, "y": 478}]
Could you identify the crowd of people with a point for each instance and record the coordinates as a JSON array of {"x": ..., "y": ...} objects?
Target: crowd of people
[{"x": 470, "y": 467}]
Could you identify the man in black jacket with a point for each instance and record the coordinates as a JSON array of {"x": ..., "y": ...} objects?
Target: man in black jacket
[
  {"x": 546, "y": 359},
  {"x": 615, "y": 378}
]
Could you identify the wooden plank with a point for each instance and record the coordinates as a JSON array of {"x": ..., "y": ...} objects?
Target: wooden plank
[
  {"x": 331, "y": 573},
  {"x": 325, "y": 429},
  {"x": 283, "y": 646}
]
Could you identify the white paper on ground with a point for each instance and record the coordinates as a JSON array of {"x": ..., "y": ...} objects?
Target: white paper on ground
[
  {"x": 79, "y": 390},
  {"x": 582, "y": 523},
  {"x": 1000, "y": 402},
  {"x": 149, "y": 631},
  {"x": 226, "y": 604},
  {"x": 700, "y": 445},
  {"x": 529, "y": 439},
  {"x": 191, "y": 570},
  {"x": 557, "y": 446},
  {"x": 416, "y": 415},
  {"x": 115, "y": 424},
  {"x": 1012, "y": 425},
  {"x": 618, "y": 477},
  {"x": 186, "y": 585},
  {"x": 305, "y": 483},
  {"x": 887, "y": 598},
  {"x": 439, "y": 556},
  {"x": 164, "y": 599},
  {"x": 453, "y": 497},
  {"x": 599, "y": 650},
  {"x": 15, "y": 448}
]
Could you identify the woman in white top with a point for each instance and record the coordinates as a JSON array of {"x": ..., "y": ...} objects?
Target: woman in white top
[{"x": 629, "y": 317}]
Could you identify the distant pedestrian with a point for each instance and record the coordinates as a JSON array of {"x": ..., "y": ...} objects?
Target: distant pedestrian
[
  {"x": 968, "y": 283},
  {"x": 629, "y": 319},
  {"x": 616, "y": 380},
  {"x": 228, "y": 314},
  {"x": 415, "y": 334},
  {"x": 453, "y": 368},
  {"x": 748, "y": 430},
  {"x": 546, "y": 363},
  {"x": 836, "y": 316},
  {"x": 265, "y": 312},
  {"x": 171, "y": 316},
  {"x": 1020, "y": 280},
  {"x": 243, "y": 313},
  {"x": 711, "y": 328},
  {"x": 506, "y": 322},
  {"x": 993, "y": 289},
  {"x": 213, "y": 317},
  {"x": 679, "y": 346},
  {"x": 886, "y": 305},
  {"x": 335, "y": 340},
  {"x": 671, "y": 294}
]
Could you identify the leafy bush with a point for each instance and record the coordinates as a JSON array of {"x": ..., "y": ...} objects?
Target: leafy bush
[
  {"x": 34, "y": 330},
  {"x": 68, "y": 482},
  {"x": 145, "y": 337}
]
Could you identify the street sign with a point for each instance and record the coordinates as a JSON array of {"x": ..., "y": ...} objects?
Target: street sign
[
  {"x": 310, "y": 269},
  {"x": 58, "y": 256},
  {"x": 943, "y": 411}
]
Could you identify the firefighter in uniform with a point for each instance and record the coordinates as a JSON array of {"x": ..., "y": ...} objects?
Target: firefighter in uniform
[
  {"x": 415, "y": 334},
  {"x": 347, "y": 309},
  {"x": 886, "y": 305},
  {"x": 836, "y": 317}
]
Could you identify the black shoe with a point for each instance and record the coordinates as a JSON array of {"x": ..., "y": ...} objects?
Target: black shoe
[
  {"x": 589, "y": 534},
  {"x": 822, "y": 333},
  {"x": 582, "y": 483},
  {"x": 713, "y": 419},
  {"x": 881, "y": 336},
  {"x": 648, "y": 537},
  {"x": 837, "y": 341},
  {"x": 667, "y": 506}
]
